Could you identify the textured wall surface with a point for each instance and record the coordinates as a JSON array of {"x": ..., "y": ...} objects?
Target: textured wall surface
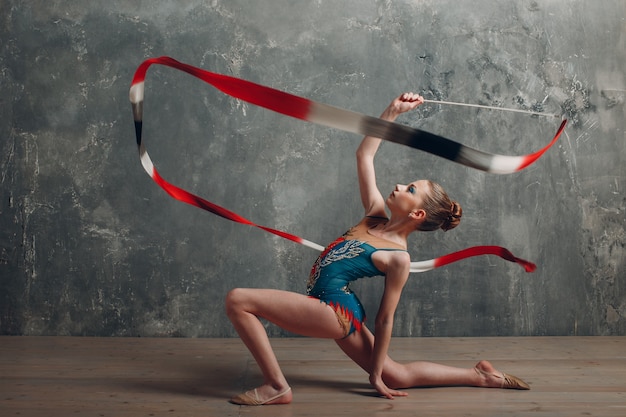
[{"x": 89, "y": 245}]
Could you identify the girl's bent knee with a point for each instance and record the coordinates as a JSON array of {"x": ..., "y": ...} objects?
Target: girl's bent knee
[{"x": 234, "y": 300}]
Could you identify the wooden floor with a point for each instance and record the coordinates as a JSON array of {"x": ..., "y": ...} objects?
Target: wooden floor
[{"x": 71, "y": 376}]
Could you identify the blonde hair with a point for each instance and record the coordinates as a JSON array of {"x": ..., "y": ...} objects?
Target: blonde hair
[{"x": 441, "y": 212}]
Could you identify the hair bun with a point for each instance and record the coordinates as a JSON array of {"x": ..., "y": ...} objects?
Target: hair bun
[{"x": 454, "y": 218}]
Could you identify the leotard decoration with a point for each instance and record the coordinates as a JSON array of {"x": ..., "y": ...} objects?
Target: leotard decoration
[{"x": 346, "y": 120}]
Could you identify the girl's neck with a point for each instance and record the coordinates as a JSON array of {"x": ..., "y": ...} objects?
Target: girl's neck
[{"x": 394, "y": 231}]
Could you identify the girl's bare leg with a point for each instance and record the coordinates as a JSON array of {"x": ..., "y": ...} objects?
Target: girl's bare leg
[
  {"x": 359, "y": 346},
  {"x": 293, "y": 312}
]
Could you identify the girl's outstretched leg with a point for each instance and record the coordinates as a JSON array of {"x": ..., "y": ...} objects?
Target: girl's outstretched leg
[{"x": 359, "y": 347}]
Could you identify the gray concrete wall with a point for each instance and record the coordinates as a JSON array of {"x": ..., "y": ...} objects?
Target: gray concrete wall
[{"x": 89, "y": 245}]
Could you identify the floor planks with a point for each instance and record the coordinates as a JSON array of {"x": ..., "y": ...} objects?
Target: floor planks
[{"x": 76, "y": 376}]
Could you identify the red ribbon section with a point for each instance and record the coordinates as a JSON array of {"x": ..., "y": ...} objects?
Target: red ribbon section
[{"x": 484, "y": 250}]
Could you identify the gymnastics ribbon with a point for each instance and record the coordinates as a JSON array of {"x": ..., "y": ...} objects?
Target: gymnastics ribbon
[{"x": 323, "y": 114}]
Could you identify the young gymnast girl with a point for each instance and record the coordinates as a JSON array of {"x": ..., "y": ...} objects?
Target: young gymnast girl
[{"x": 376, "y": 246}]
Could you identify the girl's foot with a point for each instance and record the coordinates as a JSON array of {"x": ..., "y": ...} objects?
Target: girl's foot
[
  {"x": 492, "y": 378},
  {"x": 264, "y": 395}
]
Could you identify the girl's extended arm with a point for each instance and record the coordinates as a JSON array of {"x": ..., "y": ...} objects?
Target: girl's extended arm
[{"x": 372, "y": 199}]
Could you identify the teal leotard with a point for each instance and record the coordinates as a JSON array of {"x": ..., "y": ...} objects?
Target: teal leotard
[{"x": 345, "y": 260}]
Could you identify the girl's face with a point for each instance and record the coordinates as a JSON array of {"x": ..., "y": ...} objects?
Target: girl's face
[{"x": 406, "y": 198}]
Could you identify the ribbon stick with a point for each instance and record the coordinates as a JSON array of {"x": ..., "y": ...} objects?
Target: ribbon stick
[
  {"x": 338, "y": 118},
  {"x": 481, "y": 106}
]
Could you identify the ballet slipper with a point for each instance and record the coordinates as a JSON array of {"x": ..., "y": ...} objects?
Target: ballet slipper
[
  {"x": 252, "y": 398},
  {"x": 508, "y": 381},
  {"x": 513, "y": 382}
]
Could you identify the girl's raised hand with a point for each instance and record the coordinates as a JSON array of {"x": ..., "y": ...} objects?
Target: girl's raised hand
[{"x": 406, "y": 102}]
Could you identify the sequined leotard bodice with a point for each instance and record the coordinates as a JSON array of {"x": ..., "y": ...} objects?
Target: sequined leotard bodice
[{"x": 345, "y": 260}]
